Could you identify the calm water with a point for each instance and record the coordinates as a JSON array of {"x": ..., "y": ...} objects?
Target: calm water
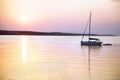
[{"x": 58, "y": 58}]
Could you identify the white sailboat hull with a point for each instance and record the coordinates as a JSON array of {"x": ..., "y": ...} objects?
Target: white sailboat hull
[{"x": 91, "y": 43}]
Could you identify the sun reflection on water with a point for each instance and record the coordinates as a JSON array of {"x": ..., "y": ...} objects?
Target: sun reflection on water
[{"x": 24, "y": 49}]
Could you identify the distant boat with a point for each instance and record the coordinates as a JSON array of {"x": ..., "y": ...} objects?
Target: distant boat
[
  {"x": 91, "y": 41},
  {"x": 107, "y": 44}
]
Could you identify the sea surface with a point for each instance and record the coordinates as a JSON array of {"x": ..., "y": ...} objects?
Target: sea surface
[{"x": 58, "y": 58}]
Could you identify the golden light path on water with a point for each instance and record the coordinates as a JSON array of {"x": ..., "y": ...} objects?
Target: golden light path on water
[{"x": 24, "y": 49}]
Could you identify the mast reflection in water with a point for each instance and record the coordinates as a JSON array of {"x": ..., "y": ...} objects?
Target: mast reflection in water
[{"x": 89, "y": 57}]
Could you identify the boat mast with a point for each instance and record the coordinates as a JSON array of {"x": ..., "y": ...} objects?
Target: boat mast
[{"x": 89, "y": 25}]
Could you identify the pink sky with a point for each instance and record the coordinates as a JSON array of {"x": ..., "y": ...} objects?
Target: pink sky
[{"x": 60, "y": 15}]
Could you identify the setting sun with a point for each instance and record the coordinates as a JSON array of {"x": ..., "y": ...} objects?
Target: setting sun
[{"x": 24, "y": 19}]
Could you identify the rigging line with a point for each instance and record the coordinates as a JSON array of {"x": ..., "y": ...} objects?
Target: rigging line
[
  {"x": 85, "y": 28},
  {"x": 90, "y": 25}
]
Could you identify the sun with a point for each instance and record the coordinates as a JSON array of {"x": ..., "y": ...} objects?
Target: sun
[{"x": 24, "y": 19}]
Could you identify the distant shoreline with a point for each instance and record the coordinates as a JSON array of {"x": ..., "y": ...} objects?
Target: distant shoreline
[{"x": 7, "y": 32}]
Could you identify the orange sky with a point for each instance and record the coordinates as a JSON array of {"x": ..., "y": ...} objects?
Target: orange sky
[{"x": 60, "y": 15}]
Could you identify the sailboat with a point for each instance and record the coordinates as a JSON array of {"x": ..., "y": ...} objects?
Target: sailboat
[{"x": 91, "y": 41}]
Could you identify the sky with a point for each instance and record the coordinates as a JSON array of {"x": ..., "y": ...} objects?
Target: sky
[{"x": 60, "y": 15}]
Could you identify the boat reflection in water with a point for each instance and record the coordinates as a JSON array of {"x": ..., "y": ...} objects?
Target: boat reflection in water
[{"x": 89, "y": 57}]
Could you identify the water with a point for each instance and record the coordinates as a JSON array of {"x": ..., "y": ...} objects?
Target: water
[{"x": 58, "y": 58}]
